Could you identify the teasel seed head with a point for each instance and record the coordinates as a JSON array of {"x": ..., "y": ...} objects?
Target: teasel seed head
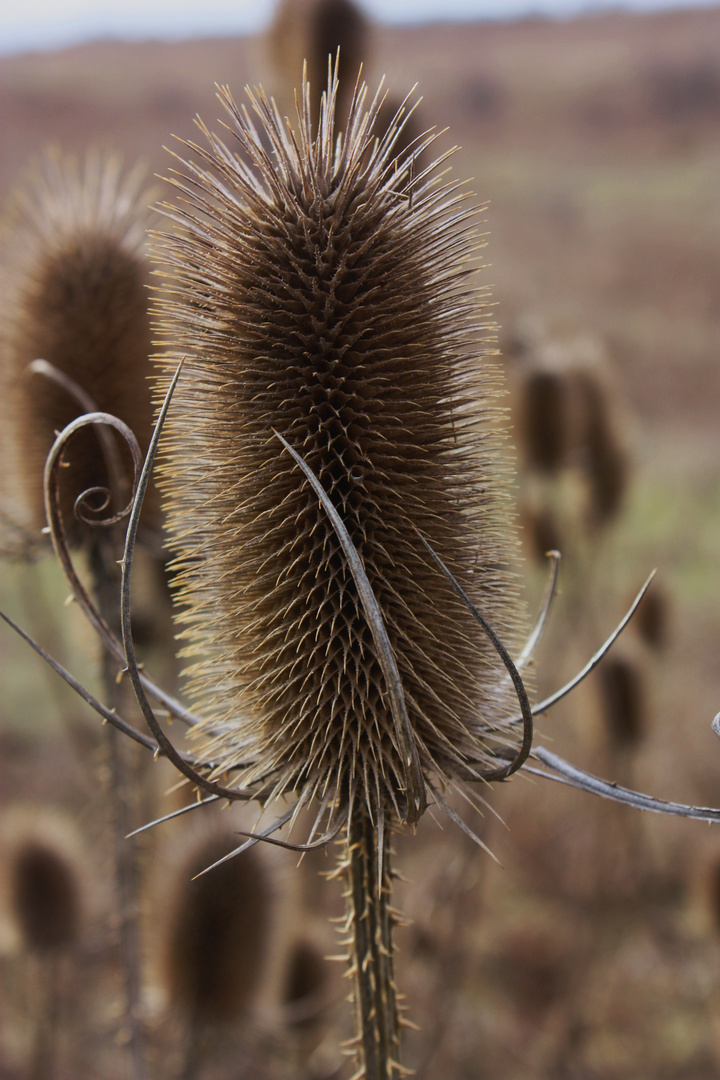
[
  {"x": 603, "y": 454},
  {"x": 623, "y": 700},
  {"x": 44, "y": 878},
  {"x": 305, "y": 989},
  {"x": 541, "y": 530},
  {"x": 217, "y": 929},
  {"x": 322, "y": 295},
  {"x": 75, "y": 296},
  {"x": 311, "y": 32},
  {"x": 653, "y": 621},
  {"x": 544, "y": 418}
]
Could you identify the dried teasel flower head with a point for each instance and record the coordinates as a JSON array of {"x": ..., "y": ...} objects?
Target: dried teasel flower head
[
  {"x": 44, "y": 878},
  {"x": 216, "y": 936},
  {"x": 311, "y": 32},
  {"x": 543, "y": 421},
  {"x": 623, "y": 698},
  {"x": 654, "y": 619},
  {"x": 323, "y": 294},
  {"x": 600, "y": 432},
  {"x": 74, "y": 296},
  {"x": 305, "y": 987}
]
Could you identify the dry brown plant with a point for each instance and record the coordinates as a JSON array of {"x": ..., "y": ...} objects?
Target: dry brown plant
[
  {"x": 543, "y": 421},
  {"x": 75, "y": 334},
  {"x": 215, "y": 937},
  {"x": 75, "y": 340},
  {"x": 311, "y": 32},
  {"x": 321, "y": 307},
  {"x": 623, "y": 698},
  {"x": 339, "y": 507},
  {"x": 44, "y": 884}
]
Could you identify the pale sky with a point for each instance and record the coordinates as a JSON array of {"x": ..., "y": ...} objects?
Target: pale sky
[{"x": 27, "y": 25}]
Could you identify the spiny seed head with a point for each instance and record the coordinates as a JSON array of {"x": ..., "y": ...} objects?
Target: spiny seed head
[
  {"x": 217, "y": 930},
  {"x": 317, "y": 292},
  {"x": 623, "y": 700},
  {"x": 543, "y": 418},
  {"x": 311, "y": 32},
  {"x": 653, "y": 618},
  {"x": 603, "y": 454},
  {"x": 74, "y": 295},
  {"x": 44, "y": 879},
  {"x": 305, "y": 988},
  {"x": 541, "y": 531}
]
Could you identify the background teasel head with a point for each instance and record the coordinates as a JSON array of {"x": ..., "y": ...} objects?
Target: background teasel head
[
  {"x": 310, "y": 31},
  {"x": 44, "y": 878},
  {"x": 322, "y": 293},
  {"x": 215, "y": 942},
  {"x": 75, "y": 296}
]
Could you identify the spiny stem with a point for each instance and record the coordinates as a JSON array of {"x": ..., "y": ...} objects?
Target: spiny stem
[
  {"x": 125, "y": 851},
  {"x": 370, "y": 923}
]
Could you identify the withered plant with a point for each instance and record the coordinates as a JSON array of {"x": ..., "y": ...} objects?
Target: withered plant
[
  {"x": 44, "y": 881},
  {"x": 313, "y": 35},
  {"x": 622, "y": 694},
  {"x": 604, "y": 459},
  {"x": 76, "y": 340},
  {"x": 654, "y": 619},
  {"x": 76, "y": 332},
  {"x": 215, "y": 939},
  {"x": 305, "y": 987},
  {"x": 543, "y": 422},
  {"x": 311, "y": 31},
  {"x": 339, "y": 507}
]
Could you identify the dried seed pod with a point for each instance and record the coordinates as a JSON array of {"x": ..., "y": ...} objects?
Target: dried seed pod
[
  {"x": 336, "y": 24},
  {"x": 75, "y": 296},
  {"x": 623, "y": 700},
  {"x": 603, "y": 457},
  {"x": 312, "y": 31},
  {"x": 216, "y": 931},
  {"x": 44, "y": 879},
  {"x": 312, "y": 296},
  {"x": 653, "y": 618},
  {"x": 543, "y": 422},
  {"x": 306, "y": 983},
  {"x": 709, "y": 891},
  {"x": 541, "y": 531}
]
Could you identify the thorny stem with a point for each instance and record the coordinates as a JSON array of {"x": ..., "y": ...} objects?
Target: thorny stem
[
  {"x": 125, "y": 849},
  {"x": 370, "y": 922}
]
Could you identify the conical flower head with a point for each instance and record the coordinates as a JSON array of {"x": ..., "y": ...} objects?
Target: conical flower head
[
  {"x": 319, "y": 290},
  {"x": 74, "y": 294}
]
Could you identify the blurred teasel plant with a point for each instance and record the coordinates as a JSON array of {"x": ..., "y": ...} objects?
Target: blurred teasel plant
[
  {"x": 214, "y": 945},
  {"x": 44, "y": 884},
  {"x": 339, "y": 504},
  {"x": 76, "y": 340},
  {"x": 76, "y": 330}
]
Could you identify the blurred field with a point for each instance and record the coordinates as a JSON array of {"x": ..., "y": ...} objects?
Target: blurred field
[{"x": 593, "y": 953}]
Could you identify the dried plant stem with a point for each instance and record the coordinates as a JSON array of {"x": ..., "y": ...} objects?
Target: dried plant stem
[
  {"x": 125, "y": 848},
  {"x": 195, "y": 1051},
  {"x": 46, "y": 1016},
  {"x": 370, "y": 922}
]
